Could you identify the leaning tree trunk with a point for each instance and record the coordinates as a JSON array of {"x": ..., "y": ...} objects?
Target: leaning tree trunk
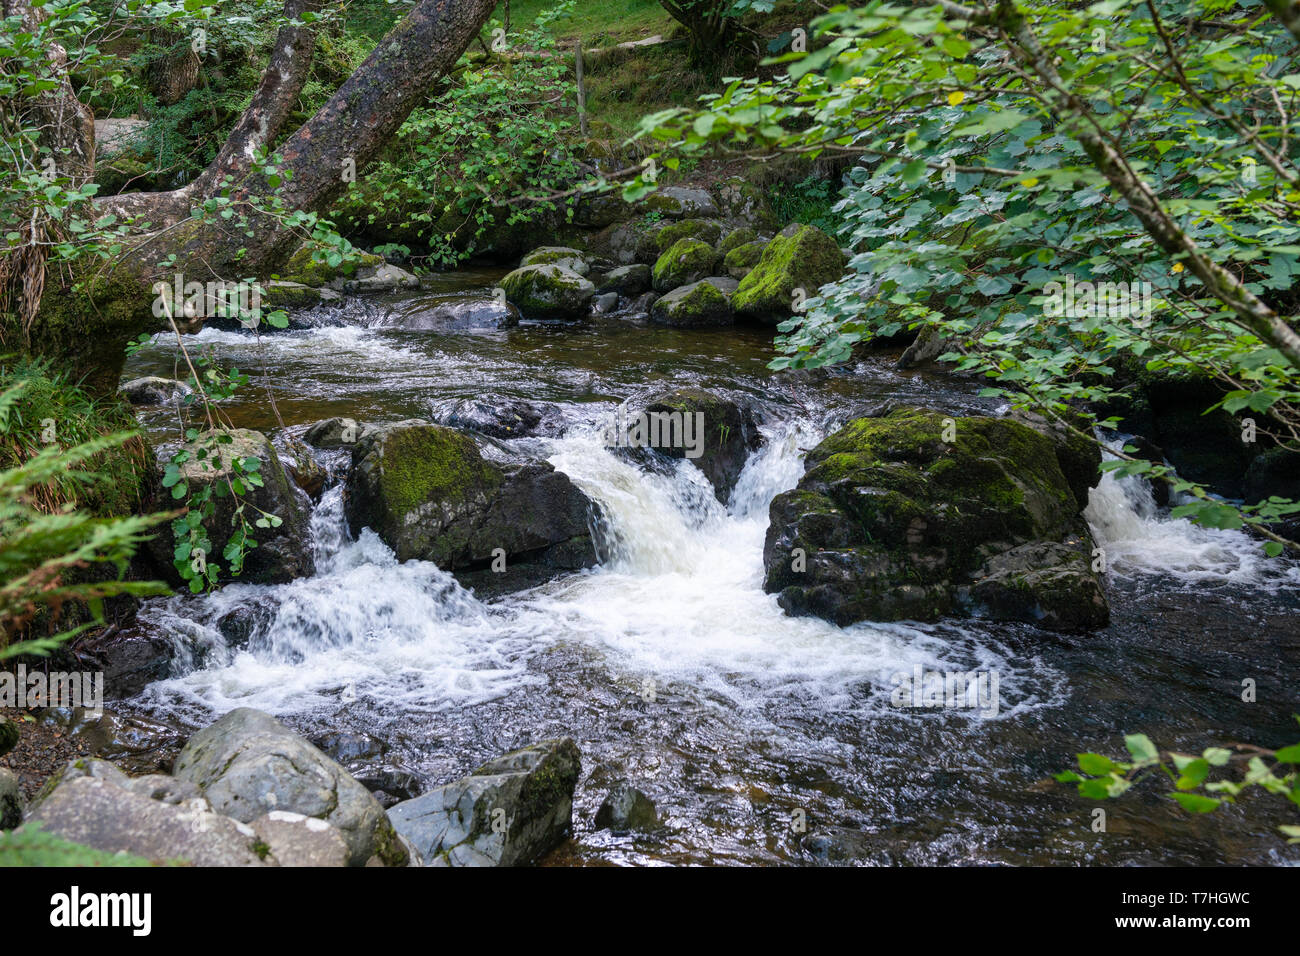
[
  {"x": 173, "y": 73},
  {"x": 92, "y": 322}
]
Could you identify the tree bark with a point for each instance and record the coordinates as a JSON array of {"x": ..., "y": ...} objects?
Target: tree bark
[{"x": 353, "y": 125}]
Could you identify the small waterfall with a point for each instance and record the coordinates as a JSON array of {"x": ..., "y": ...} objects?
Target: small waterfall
[{"x": 1140, "y": 538}]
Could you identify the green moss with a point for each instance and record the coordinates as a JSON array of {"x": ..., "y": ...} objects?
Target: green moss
[
  {"x": 803, "y": 257},
  {"x": 304, "y": 269},
  {"x": 705, "y": 230},
  {"x": 430, "y": 463},
  {"x": 735, "y": 239},
  {"x": 702, "y": 304},
  {"x": 685, "y": 261}
]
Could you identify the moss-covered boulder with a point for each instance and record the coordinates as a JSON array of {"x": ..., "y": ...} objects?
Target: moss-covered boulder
[
  {"x": 701, "y": 305},
  {"x": 684, "y": 262},
  {"x": 723, "y": 433},
  {"x": 429, "y": 494},
  {"x": 282, "y": 553},
  {"x": 736, "y": 238},
  {"x": 549, "y": 292},
  {"x": 568, "y": 258},
  {"x": 741, "y": 260},
  {"x": 918, "y": 515},
  {"x": 801, "y": 257},
  {"x": 705, "y": 230}
]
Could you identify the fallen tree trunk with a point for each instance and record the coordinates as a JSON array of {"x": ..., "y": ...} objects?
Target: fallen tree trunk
[{"x": 90, "y": 314}]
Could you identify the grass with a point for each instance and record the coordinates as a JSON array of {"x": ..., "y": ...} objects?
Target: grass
[{"x": 53, "y": 407}]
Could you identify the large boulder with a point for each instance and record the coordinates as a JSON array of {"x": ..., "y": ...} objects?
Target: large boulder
[
  {"x": 700, "y": 305},
  {"x": 103, "y": 811},
  {"x": 917, "y": 515},
  {"x": 548, "y": 292},
  {"x": 283, "y": 552},
  {"x": 509, "y": 812},
  {"x": 684, "y": 262},
  {"x": 730, "y": 433},
  {"x": 249, "y": 764},
  {"x": 429, "y": 494},
  {"x": 801, "y": 257}
]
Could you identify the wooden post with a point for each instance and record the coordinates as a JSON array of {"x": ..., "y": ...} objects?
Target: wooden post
[{"x": 582, "y": 90}]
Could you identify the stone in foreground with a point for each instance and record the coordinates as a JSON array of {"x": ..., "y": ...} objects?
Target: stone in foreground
[{"x": 509, "y": 812}]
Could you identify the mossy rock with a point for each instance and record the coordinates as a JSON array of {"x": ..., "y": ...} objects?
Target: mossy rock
[
  {"x": 739, "y": 200},
  {"x": 741, "y": 260},
  {"x": 563, "y": 256},
  {"x": 736, "y": 238},
  {"x": 801, "y": 257},
  {"x": 684, "y": 262},
  {"x": 705, "y": 230},
  {"x": 680, "y": 202},
  {"x": 429, "y": 494},
  {"x": 917, "y": 515},
  {"x": 699, "y": 305},
  {"x": 549, "y": 292},
  {"x": 303, "y": 269}
]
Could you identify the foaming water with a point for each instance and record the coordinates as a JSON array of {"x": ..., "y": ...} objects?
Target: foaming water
[
  {"x": 1138, "y": 538},
  {"x": 678, "y": 603}
]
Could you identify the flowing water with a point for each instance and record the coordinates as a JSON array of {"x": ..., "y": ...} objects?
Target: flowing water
[{"x": 762, "y": 738}]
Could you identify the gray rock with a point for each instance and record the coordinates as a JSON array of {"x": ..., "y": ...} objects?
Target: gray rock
[
  {"x": 385, "y": 278},
  {"x": 561, "y": 256},
  {"x": 99, "y": 812},
  {"x": 282, "y": 553},
  {"x": 628, "y": 281},
  {"x": 605, "y": 303},
  {"x": 500, "y": 418},
  {"x": 11, "y": 800},
  {"x": 333, "y": 433},
  {"x": 154, "y": 390},
  {"x": 509, "y": 812},
  {"x": 681, "y": 202},
  {"x": 454, "y": 312},
  {"x": 626, "y": 808},
  {"x": 248, "y": 764},
  {"x": 730, "y": 436},
  {"x": 292, "y": 839}
]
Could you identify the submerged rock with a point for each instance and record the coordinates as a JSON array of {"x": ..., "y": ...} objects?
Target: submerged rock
[
  {"x": 249, "y": 764},
  {"x": 549, "y": 292},
  {"x": 727, "y": 433},
  {"x": 892, "y": 522},
  {"x": 801, "y": 257},
  {"x": 154, "y": 390},
  {"x": 429, "y": 494},
  {"x": 450, "y": 312},
  {"x": 626, "y": 808},
  {"x": 509, "y": 812},
  {"x": 507, "y": 418}
]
